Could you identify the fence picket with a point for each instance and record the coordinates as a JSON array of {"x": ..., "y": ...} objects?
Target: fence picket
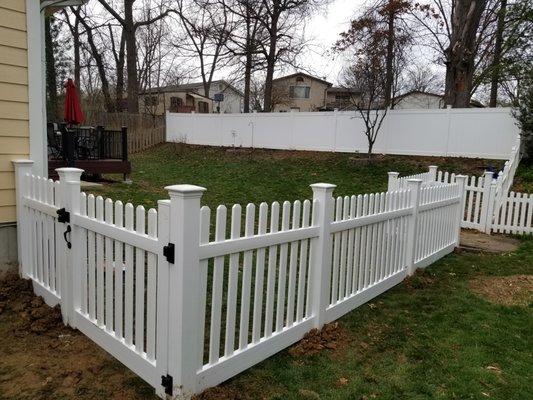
[
  {"x": 233, "y": 280},
  {"x": 129, "y": 278}
]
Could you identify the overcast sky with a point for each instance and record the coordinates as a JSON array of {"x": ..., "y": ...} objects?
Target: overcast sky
[{"x": 324, "y": 28}]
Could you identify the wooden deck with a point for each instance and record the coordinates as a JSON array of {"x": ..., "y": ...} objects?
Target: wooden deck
[{"x": 93, "y": 166}]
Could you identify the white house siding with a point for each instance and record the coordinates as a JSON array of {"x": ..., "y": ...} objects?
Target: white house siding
[
  {"x": 233, "y": 101},
  {"x": 415, "y": 101}
]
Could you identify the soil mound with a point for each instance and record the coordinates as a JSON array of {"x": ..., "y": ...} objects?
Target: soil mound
[{"x": 331, "y": 337}]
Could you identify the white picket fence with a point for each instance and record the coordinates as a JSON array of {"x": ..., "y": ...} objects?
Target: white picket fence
[
  {"x": 489, "y": 207},
  {"x": 186, "y": 307}
]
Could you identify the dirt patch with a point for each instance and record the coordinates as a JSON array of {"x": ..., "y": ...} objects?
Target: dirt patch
[
  {"x": 219, "y": 393},
  {"x": 477, "y": 241},
  {"x": 42, "y": 359},
  {"x": 420, "y": 280},
  {"x": 514, "y": 290},
  {"x": 331, "y": 337}
]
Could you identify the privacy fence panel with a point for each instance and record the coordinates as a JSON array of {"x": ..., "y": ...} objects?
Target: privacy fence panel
[
  {"x": 484, "y": 133},
  {"x": 188, "y": 297}
]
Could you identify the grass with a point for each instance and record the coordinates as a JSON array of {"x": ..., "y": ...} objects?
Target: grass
[
  {"x": 265, "y": 175},
  {"x": 428, "y": 338}
]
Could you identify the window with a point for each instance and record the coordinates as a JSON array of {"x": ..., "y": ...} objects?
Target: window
[
  {"x": 203, "y": 107},
  {"x": 299, "y": 92},
  {"x": 151, "y": 101},
  {"x": 175, "y": 103},
  {"x": 299, "y": 79}
]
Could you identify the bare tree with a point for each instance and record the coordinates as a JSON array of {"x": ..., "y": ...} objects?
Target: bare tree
[
  {"x": 384, "y": 23},
  {"x": 98, "y": 58},
  {"x": 130, "y": 26},
  {"x": 244, "y": 41},
  {"x": 208, "y": 25},
  {"x": 367, "y": 74},
  {"x": 282, "y": 20},
  {"x": 460, "y": 31}
]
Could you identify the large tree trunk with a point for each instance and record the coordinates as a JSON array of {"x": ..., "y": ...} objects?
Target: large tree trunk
[
  {"x": 248, "y": 63},
  {"x": 460, "y": 55},
  {"x": 131, "y": 58},
  {"x": 51, "y": 78},
  {"x": 120, "y": 73},
  {"x": 389, "y": 73},
  {"x": 247, "y": 82},
  {"x": 109, "y": 105},
  {"x": 495, "y": 79},
  {"x": 271, "y": 63}
]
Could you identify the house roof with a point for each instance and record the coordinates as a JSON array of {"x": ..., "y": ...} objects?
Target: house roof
[
  {"x": 338, "y": 89},
  {"x": 302, "y": 74},
  {"x": 191, "y": 87}
]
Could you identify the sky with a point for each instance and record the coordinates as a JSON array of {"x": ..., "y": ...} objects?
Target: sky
[{"x": 324, "y": 28}]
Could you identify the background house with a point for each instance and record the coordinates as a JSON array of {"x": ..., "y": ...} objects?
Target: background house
[
  {"x": 342, "y": 99},
  {"x": 223, "y": 97},
  {"x": 299, "y": 92},
  {"x": 174, "y": 99},
  {"x": 417, "y": 99}
]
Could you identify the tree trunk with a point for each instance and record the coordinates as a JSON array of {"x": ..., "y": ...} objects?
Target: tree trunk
[
  {"x": 389, "y": 74},
  {"x": 271, "y": 63},
  {"x": 51, "y": 78},
  {"x": 120, "y": 73},
  {"x": 131, "y": 58},
  {"x": 461, "y": 52},
  {"x": 495, "y": 79}
]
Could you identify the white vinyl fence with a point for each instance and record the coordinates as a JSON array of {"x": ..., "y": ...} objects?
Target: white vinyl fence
[
  {"x": 485, "y": 133},
  {"x": 187, "y": 298},
  {"x": 489, "y": 206}
]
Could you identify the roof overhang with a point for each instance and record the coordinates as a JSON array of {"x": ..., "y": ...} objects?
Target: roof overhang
[{"x": 61, "y": 3}]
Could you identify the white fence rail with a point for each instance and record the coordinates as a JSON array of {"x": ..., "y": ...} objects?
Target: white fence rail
[
  {"x": 185, "y": 306},
  {"x": 489, "y": 207},
  {"x": 485, "y": 133}
]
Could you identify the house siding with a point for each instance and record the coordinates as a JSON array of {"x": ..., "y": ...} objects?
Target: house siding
[
  {"x": 283, "y": 102},
  {"x": 14, "y": 114}
]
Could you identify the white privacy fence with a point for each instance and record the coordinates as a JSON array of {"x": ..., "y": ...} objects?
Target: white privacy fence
[
  {"x": 489, "y": 206},
  {"x": 187, "y": 299},
  {"x": 486, "y": 133}
]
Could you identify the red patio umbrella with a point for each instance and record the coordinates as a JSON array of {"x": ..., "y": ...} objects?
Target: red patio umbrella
[{"x": 73, "y": 113}]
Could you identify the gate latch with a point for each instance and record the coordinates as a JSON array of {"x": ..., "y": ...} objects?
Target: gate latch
[
  {"x": 168, "y": 252},
  {"x": 168, "y": 383},
  {"x": 63, "y": 216}
]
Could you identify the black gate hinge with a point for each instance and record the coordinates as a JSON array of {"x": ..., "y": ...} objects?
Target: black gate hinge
[
  {"x": 168, "y": 383},
  {"x": 168, "y": 252},
  {"x": 63, "y": 216}
]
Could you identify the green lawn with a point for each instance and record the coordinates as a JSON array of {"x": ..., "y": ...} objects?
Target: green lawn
[
  {"x": 266, "y": 175},
  {"x": 428, "y": 338}
]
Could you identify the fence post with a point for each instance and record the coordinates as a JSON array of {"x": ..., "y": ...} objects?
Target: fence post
[
  {"x": 461, "y": 182},
  {"x": 491, "y": 211},
  {"x": 413, "y": 185},
  {"x": 393, "y": 181},
  {"x": 163, "y": 287},
  {"x": 69, "y": 179},
  {"x": 321, "y": 268},
  {"x": 22, "y": 167},
  {"x": 184, "y": 280},
  {"x": 485, "y": 200},
  {"x": 433, "y": 173}
]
